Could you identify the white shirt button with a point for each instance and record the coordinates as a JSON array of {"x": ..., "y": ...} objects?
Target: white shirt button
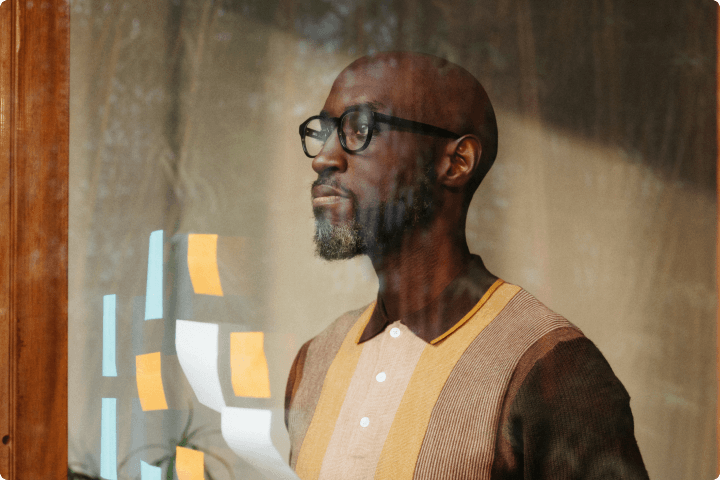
[
  {"x": 394, "y": 332},
  {"x": 364, "y": 422},
  {"x": 381, "y": 377}
]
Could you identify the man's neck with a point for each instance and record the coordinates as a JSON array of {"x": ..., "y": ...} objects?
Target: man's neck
[{"x": 411, "y": 277}]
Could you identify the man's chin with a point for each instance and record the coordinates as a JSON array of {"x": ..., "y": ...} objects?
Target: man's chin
[
  {"x": 327, "y": 252},
  {"x": 337, "y": 242}
]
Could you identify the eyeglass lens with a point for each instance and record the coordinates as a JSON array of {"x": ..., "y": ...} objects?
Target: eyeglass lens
[
  {"x": 315, "y": 135},
  {"x": 354, "y": 131}
]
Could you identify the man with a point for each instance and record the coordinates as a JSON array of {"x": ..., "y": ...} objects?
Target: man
[{"x": 452, "y": 373}]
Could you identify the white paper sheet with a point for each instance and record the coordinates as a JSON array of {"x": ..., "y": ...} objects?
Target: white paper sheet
[
  {"x": 247, "y": 432},
  {"x": 197, "y": 350}
]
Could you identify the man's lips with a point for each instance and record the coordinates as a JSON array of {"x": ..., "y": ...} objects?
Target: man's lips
[{"x": 327, "y": 195}]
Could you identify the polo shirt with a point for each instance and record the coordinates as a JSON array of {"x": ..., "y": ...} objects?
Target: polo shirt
[{"x": 483, "y": 382}]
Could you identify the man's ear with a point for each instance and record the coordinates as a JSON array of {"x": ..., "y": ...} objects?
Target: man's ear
[{"x": 460, "y": 160}]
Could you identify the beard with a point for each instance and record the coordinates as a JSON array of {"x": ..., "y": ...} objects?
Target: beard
[
  {"x": 380, "y": 229},
  {"x": 337, "y": 242}
]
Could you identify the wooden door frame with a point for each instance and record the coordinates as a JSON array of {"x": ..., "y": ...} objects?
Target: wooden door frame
[
  {"x": 34, "y": 149},
  {"x": 717, "y": 251}
]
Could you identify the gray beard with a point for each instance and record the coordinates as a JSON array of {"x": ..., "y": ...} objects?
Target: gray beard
[
  {"x": 379, "y": 232},
  {"x": 337, "y": 242}
]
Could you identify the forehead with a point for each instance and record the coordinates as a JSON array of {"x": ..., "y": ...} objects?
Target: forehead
[{"x": 374, "y": 84}]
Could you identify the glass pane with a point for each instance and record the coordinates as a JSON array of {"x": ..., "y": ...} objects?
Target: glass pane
[{"x": 193, "y": 275}]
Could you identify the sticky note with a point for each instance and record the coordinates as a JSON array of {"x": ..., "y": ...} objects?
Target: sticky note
[
  {"x": 149, "y": 382},
  {"x": 202, "y": 263},
  {"x": 108, "y": 439},
  {"x": 196, "y": 344},
  {"x": 149, "y": 472},
  {"x": 250, "y": 377},
  {"x": 189, "y": 463},
  {"x": 247, "y": 433},
  {"x": 154, "y": 286},
  {"x": 109, "y": 368}
]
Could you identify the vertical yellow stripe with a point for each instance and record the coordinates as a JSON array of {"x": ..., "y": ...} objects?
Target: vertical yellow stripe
[
  {"x": 331, "y": 400},
  {"x": 402, "y": 446}
]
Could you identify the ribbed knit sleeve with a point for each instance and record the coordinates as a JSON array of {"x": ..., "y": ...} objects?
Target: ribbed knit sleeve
[{"x": 570, "y": 419}]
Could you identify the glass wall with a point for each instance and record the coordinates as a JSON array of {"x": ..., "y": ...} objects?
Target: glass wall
[{"x": 193, "y": 280}]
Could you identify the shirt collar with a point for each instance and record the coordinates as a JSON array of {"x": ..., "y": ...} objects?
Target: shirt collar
[{"x": 441, "y": 314}]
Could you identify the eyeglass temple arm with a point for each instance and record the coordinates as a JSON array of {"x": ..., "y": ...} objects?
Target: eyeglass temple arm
[{"x": 414, "y": 126}]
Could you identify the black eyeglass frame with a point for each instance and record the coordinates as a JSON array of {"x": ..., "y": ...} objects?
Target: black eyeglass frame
[{"x": 375, "y": 117}]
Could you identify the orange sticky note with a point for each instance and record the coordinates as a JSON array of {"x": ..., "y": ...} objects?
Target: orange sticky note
[
  {"x": 149, "y": 382},
  {"x": 202, "y": 263},
  {"x": 248, "y": 365},
  {"x": 189, "y": 463}
]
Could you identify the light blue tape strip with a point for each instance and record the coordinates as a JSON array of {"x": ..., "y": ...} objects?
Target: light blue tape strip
[
  {"x": 109, "y": 368},
  {"x": 148, "y": 472},
  {"x": 154, "y": 291},
  {"x": 108, "y": 439}
]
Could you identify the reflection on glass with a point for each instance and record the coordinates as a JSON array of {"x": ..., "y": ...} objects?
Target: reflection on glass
[{"x": 185, "y": 120}]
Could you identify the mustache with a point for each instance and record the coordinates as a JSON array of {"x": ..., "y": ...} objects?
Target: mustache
[{"x": 334, "y": 183}]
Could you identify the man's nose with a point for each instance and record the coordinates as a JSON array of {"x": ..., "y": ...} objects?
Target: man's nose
[{"x": 332, "y": 156}]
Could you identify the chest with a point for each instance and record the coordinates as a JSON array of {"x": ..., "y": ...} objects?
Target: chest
[{"x": 404, "y": 411}]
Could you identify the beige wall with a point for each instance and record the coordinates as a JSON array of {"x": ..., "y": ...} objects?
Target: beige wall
[{"x": 589, "y": 229}]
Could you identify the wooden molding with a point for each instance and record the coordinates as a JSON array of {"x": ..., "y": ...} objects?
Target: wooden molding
[
  {"x": 717, "y": 253},
  {"x": 34, "y": 128}
]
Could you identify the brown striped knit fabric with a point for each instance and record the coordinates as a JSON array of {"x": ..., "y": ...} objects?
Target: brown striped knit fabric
[
  {"x": 506, "y": 458},
  {"x": 530, "y": 397},
  {"x": 566, "y": 415},
  {"x": 460, "y": 439},
  {"x": 321, "y": 351}
]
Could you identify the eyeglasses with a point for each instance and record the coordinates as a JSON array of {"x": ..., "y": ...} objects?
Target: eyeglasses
[{"x": 355, "y": 129}]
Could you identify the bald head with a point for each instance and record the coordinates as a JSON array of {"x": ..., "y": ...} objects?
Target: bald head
[
  {"x": 416, "y": 135},
  {"x": 426, "y": 89}
]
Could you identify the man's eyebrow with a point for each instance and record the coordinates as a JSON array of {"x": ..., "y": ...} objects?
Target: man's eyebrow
[{"x": 375, "y": 106}]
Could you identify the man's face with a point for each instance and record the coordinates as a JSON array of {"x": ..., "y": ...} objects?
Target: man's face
[{"x": 365, "y": 202}]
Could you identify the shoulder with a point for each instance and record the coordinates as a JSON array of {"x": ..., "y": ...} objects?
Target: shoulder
[
  {"x": 335, "y": 333},
  {"x": 531, "y": 315},
  {"x": 566, "y": 360},
  {"x": 559, "y": 351},
  {"x": 565, "y": 410},
  {"x": 315, "y": 356},
  {"x": 524, "y": 328},
  {"x": 574, "y": 415}
]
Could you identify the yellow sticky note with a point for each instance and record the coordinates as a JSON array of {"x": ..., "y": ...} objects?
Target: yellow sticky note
[
  {"x": 149, "y": 382},
  {"x": 189, "y": 463},
  {"x": 202, "y": 263},
  {"x": 248, "y": 365}
]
